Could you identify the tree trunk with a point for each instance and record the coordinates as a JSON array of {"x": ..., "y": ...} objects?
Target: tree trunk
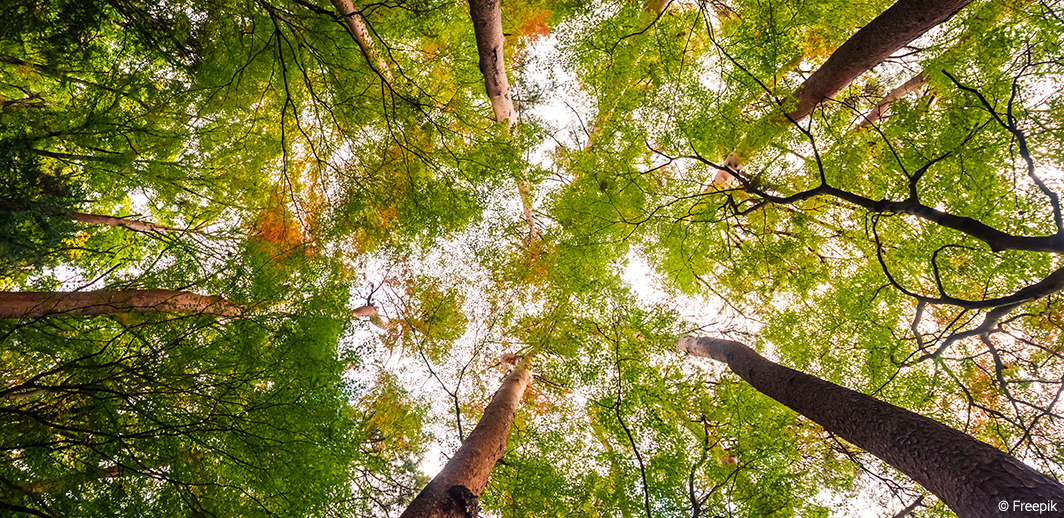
[
  {"x": 374, "y": 317},
  {"x": 883, "y": 106},
  {"x": 356, "y": 26},
  {"x": 131, "y": 224},
  {"x": 453, "y": 493},
  {"x": 36, "y": 304},
  {"x": 919, "y": 80},
  {"x": 971, "y": 477},
  {"x": 903, "y": 22},
  {"x": 487, "y": 29}
]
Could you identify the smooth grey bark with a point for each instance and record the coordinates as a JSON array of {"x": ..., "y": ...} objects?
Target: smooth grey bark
[
  {"x": 902, "y": 23},
  {"x": 883, "y": 106},
  {"x": 131, "y": 224},
  {"x": 356, "y": 27},
  {"x": 970, "y": 476},
  {"x": 487, "y": 27}
]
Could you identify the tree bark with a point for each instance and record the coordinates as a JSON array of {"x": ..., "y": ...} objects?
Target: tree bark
[
  {"x": 131, "y": 224},
  {"x": 487, "y": 27},
  {"x": 970, "y": 476},
  {"x": 883, "y": 106},
  {"x": 453, "y": 493},
  {"x": 356, "y": 26},
  {"x": 36, "y": 304},
  {"x": 374, "y": 317},
  {"x": 903, "y": 22}
]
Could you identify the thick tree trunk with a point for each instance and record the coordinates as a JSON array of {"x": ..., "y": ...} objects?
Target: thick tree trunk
[
  {"x": 919, "y": 80},
  {"x": 453, "y": 493},
  {"x": 903, "y": 22},
  {"x": 35, "y": 304},
  {"x": 971, "y": 477}
]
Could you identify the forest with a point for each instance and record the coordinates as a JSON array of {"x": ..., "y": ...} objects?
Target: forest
[{"x": 532, "y": 258}]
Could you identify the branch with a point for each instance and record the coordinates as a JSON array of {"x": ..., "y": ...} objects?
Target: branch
[{"x": 1021, "y": 139}]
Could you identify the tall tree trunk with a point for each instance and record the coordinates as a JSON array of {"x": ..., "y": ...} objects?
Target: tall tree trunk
[
  {"x": 970, "y": 476},
  {"x": 487, "y": 29},
  {"x": 356, "y": 26},
  {"x": 903, "y": 22},
  {"x": 131, "y": 224},
  {"x": 453, "y": 493},
  {"x": 35, "y": 304}
]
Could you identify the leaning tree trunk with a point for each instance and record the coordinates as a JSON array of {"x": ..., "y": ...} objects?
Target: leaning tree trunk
[
  {"x": 902, "y": 23},
  {"x": 970, "y": 476},
  {"x": 883, "y": 106},
  {"x": 35, "y": 304},
  {"x": 454, "y": 492}
]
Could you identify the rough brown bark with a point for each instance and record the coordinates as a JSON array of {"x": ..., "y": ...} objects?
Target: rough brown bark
[
  {"x": 969, "y": 476},
  {"x": 35, "y": 304},
  {"x": 893, "y": 29},
  {"x": 453, "y": 493},
  {"x": 356, "y": 26}
]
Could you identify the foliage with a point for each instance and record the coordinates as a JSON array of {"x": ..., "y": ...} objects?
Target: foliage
[
  {"x": 33, "y": 203},
  {"x": 299, "y": 173}
]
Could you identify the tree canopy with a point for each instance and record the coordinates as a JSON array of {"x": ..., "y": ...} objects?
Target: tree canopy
[{"x": 262, "y": 258}]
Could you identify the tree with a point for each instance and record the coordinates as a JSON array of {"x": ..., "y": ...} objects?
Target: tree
[
  {"x": 454, "y": 491},
  {"x": 896, "y": 27},
  {"x": 174, "y": 415},
  {"x": 28, "y": 305},
  {"x": 970, "y": 476},
  {"x": 830, "y": 284},
  {"x": 356, "y": 187}
]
